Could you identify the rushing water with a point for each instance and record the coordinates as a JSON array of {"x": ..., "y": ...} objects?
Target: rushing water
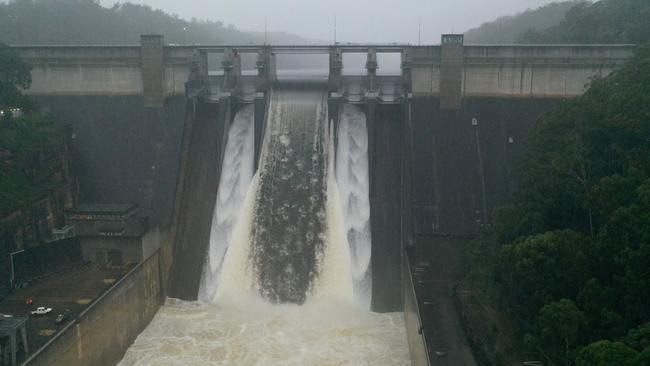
[
  {"x": 290, "y": 220},
  {"x": 253, "y": 332},
  {"x": 353, "y": 185},
  {"x": 289, "y": 254},
  {"x": 237, "y": 173}
]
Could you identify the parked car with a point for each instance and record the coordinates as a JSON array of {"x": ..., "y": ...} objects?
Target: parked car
[
  {"x": 41, "y": 310},
  {"x": 62, "y": 317}
]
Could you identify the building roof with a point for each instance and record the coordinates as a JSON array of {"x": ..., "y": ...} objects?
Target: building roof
[
  {"x": 8, "y": 325},
  {"x": 104, "y": 208}
]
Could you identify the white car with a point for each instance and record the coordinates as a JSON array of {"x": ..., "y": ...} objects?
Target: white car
[{"x": 41, "y": 310}]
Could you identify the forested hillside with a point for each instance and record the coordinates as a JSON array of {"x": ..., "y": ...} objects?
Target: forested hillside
[
  {"x": 568, "y": 259},
  {"x": 508, "y": 29},
  {"x": 35, "y": 180},
  {"x": 30, "y": 144},
  {"x": 605, "y": 21},
  {"x": 87, "y": 22},
  {"x": 576, "y": 238}
]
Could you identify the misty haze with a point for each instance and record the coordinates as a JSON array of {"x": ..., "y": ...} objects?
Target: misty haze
[{"x": 324, "y": 182}]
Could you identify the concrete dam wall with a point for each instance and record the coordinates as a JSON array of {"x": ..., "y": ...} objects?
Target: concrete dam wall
[
  {"x": 386, "y": 153},
  {"x": 126, "y": 103},
  {"x": 442, "y": 154},
  {"x": 123, "y": 152},
  {"x": 206, "y": 138},
  {"x": 511, "y": 70},
  {"x": 463, "y": 161},
  {"x": 436, "y": 173}
]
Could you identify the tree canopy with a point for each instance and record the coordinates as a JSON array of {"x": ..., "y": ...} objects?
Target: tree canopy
[
  {"x": 14, "y": 74},
  {"x": 605, "y": 21},
  {"x": 87, "y": 22},
  {"x": 606, "y": 353},
  {"x": 508, "y": 29},
  {"x": 576, "y": 236},
  {"x": 559, "y": 328},
  {"x": 32, "y": 156}
]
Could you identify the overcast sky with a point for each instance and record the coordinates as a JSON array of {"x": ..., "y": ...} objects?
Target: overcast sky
[{"x": 357, "y": 20}]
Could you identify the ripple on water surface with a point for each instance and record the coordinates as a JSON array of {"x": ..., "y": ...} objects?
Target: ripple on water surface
[{"x": 253, "y": 332}]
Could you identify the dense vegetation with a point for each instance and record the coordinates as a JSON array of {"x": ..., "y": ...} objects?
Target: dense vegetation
[
  {"x": 32, "y": 151},
  {"x": 574, "y": 266},
  {"x": 35, "y": 143},
  {"x": 508, "y": 29},
  {"x": 87, "y": 22},
  {"x": 572, "y": 252},
  {"x": 605, "y": 21},
  {"x": 14, "y": 74},
  {"x": 28, "y": 143}
]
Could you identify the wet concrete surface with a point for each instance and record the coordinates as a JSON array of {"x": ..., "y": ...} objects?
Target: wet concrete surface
[
  {"x": 204, "y": 141},
  {"x": 385, "y": 153},
  {"x": 123, "y": 152},
  {"x": 435, "y": 273},
  {"x": 72, "y": 289}
]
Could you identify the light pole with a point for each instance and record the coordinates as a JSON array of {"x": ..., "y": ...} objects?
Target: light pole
[
  {"x": 13, "y": 274},
  {"x": 266, "y": 31},
  {"x": 481, "y": 172}
]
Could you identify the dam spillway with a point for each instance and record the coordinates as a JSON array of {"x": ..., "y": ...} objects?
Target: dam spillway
[
  {"x": 151, "y": 123},
  {"x": 289, "y": 229},
  {"x": 281, "y": 283},
  {"x": 233, "y": 185},
  {"x": 353, "y": 183}
]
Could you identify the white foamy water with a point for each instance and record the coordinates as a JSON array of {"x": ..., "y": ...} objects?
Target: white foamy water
[
  {"x": 334, "y": 280},
  {"x": 353, "y": 186},
  {"x": 251, "y": 332},
  {"x": 236, "y": 175}
]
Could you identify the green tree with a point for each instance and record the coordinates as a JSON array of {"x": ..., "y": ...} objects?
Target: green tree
[
  {"x": 32, "y": 151},
  {"x": 639, "y": 338},
  {"x": 623, "y": 255},
  {"x": 87, "y": 22},
  {"x": 14, "y": 74},
  {"x": 579, "y": 226},
  {"x": 605, "y": 21},
  {"x": 558, "y": 331},
  {"x": 607, "y": 353},
  {"x": 643, "y": 357},
  {"x": 584, "y": 159},
  {"x": 599, "y": 304},
  {"x": 507, "y": 29},
  {"x": 541, "y": 268},
  {"x": 36, "y": 144}
]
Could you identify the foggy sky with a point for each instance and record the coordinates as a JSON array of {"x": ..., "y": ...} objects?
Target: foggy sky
[{"x": 357, "y": 20}]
